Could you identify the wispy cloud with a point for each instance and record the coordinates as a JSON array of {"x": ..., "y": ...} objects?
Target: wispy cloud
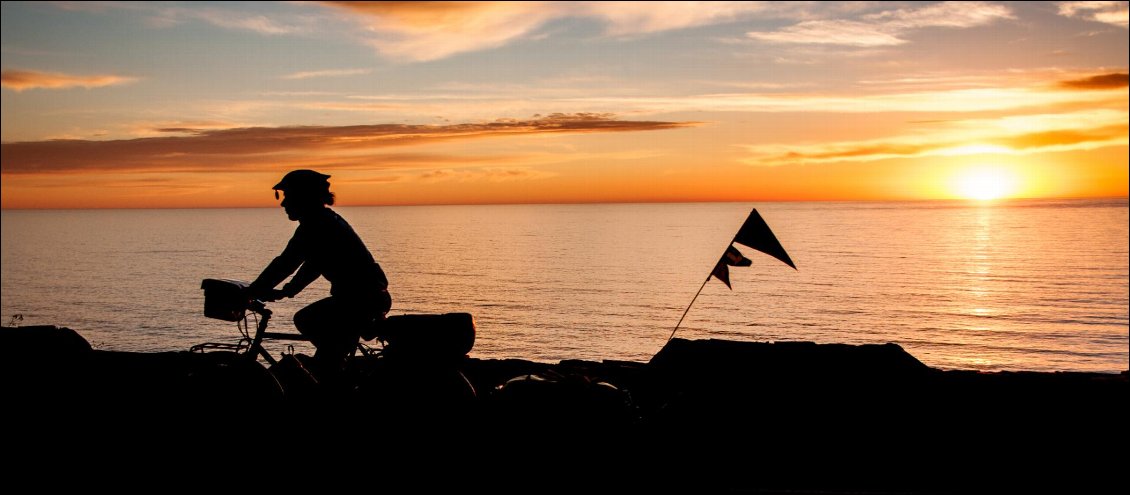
[
  {"x": 21, "y": 80},
  {"x": 1016, "y": 135},
  {"x": 327, "y": 73},
  {"x": 249, "y": 22},
  {"x": 167, "y": 14},
  {"x": 89, "y": 6},
  {"x": 627, "y": 18},
  {"x": 1114, "y": 13},
  {"x": 958, "y": 100},
  {"x": 493, "y": 174},
  {"x": 917, "y": 92},
  {"x": 297, "y": 93},
  {"x": 356, "y": 107},
  {"x": 178, "y": 127},
  {"x": 1104, "y": 81},
  {"x": 229, "y": 149},
  {"x": 424, "y": 31},
  {"x": 831, "y": 32},
  {"x": 887, "y": 28}
]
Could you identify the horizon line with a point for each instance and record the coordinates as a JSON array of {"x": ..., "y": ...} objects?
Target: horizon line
[{"x": 535, "y": 203}]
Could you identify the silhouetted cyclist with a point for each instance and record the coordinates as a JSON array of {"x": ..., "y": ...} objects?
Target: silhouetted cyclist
[{"x": 325, "y": 245}]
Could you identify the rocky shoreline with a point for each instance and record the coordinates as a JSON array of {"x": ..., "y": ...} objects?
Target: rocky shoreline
[{"x": 735, "y": 416}]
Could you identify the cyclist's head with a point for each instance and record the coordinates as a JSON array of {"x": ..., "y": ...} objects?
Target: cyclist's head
[{"x": 305, "y": 185}]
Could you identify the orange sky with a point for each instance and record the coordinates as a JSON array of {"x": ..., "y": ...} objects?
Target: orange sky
[{"x": 207, "y": 105}]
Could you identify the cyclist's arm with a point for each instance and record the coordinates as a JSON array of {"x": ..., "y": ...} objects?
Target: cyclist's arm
[
  {"x": 281, "y": 267},
  {"x": 306, "y": 274}
]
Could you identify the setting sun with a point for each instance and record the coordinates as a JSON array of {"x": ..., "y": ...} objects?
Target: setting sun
[{"x": 986, "y": 184}]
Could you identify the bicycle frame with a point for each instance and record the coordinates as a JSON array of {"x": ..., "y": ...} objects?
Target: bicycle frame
[{"x": 254, "y": 349}]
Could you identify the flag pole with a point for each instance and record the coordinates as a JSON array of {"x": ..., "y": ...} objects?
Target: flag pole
[
  {"x": 754, "y": 233},
  {"x": 689, "y": 306},
  {"x": 703, "y": 286}
]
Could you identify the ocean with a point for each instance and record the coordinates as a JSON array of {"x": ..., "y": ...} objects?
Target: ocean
[{"x": 1034, "y": 285}]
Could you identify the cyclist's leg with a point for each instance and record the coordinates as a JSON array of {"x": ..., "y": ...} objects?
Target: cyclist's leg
[
  {"x": 383, "y": 302},
  {"x": 313, "y": 321},
  {"x": 333, "y": 326},
  {"x": 376, "y": 309}
]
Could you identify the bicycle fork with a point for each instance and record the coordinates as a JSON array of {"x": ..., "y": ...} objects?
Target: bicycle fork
[{"x": 257, "y": 349}]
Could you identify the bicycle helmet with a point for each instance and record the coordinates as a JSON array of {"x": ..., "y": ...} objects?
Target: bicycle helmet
[{"x": 306, "y": 181}]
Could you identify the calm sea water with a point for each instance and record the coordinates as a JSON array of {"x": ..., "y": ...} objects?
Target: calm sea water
[{"x": 1021, "y": 285}]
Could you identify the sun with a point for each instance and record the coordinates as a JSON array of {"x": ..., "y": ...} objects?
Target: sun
[{"x": 985, "y": 183}]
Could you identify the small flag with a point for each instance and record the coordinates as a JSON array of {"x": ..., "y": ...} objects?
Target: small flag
[
  {"x": 754, "y": 233},
  {"x": 732, "y": 257}
]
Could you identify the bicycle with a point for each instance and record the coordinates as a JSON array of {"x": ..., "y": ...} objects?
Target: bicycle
[
  {"x": 417, "y": 355},
  {"x": 225, "y": 299}
]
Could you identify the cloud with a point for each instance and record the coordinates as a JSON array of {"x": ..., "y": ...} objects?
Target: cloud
[
  {"x": 627, "y": 18},
  {"x": 956, "y": 100},
  {"x": 424, "y": 31},
  {"x": 256, "y": 147},
  {"x": 1104, "y": 81},
  {"x": 20, "y": 80},
  {"x": 831, "y": 32},
  {"x": 327, "y": 73},
  {"x": 1064, "y": 139},
  {"x": 1114, "y": 13},
  {"x": 179, "y": 127},
  {"x": 1016, "y": 135},
  {"x": 885, "y": 28},
  {"x": 161, "y": 16},
  {"x": 297, "y": 93},
  {"x": 167, "y": 14},
  {"x": 89, "y": 6},
  {"x": 258, "y": 23},
  {"x": 354, "y": 107},
  {"x": 379, "y": 179},
  {"x": 493, "y": 174},
  {"x": 912, "y": 92}
]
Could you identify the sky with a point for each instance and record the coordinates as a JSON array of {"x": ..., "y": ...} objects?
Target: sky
[{"x": 199, "y": 104}]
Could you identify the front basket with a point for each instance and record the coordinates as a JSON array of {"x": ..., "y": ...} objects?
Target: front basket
[{"x": 224, "y": 299}]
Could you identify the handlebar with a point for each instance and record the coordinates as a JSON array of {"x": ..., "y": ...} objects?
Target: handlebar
[
  {"x": 258, "y": 307},
  {"x": 230, "y": 300}
]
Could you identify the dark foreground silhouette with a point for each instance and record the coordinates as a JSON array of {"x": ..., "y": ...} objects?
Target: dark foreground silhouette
[{"x": 701, "y": 416}]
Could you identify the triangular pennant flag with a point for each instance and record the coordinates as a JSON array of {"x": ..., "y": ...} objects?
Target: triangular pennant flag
[
  {"x": 732, "y": 257},
  {"x": 722, "y": 273},
  {"x": 755, "y": 233}
]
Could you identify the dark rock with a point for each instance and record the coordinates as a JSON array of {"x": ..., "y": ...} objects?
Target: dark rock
[
  {"x": 41, "y": 342},
  {"x": 701, "y": 416}
]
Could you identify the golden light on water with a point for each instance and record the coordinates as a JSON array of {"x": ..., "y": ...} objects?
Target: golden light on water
[{"x": 985, "y": 183}]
